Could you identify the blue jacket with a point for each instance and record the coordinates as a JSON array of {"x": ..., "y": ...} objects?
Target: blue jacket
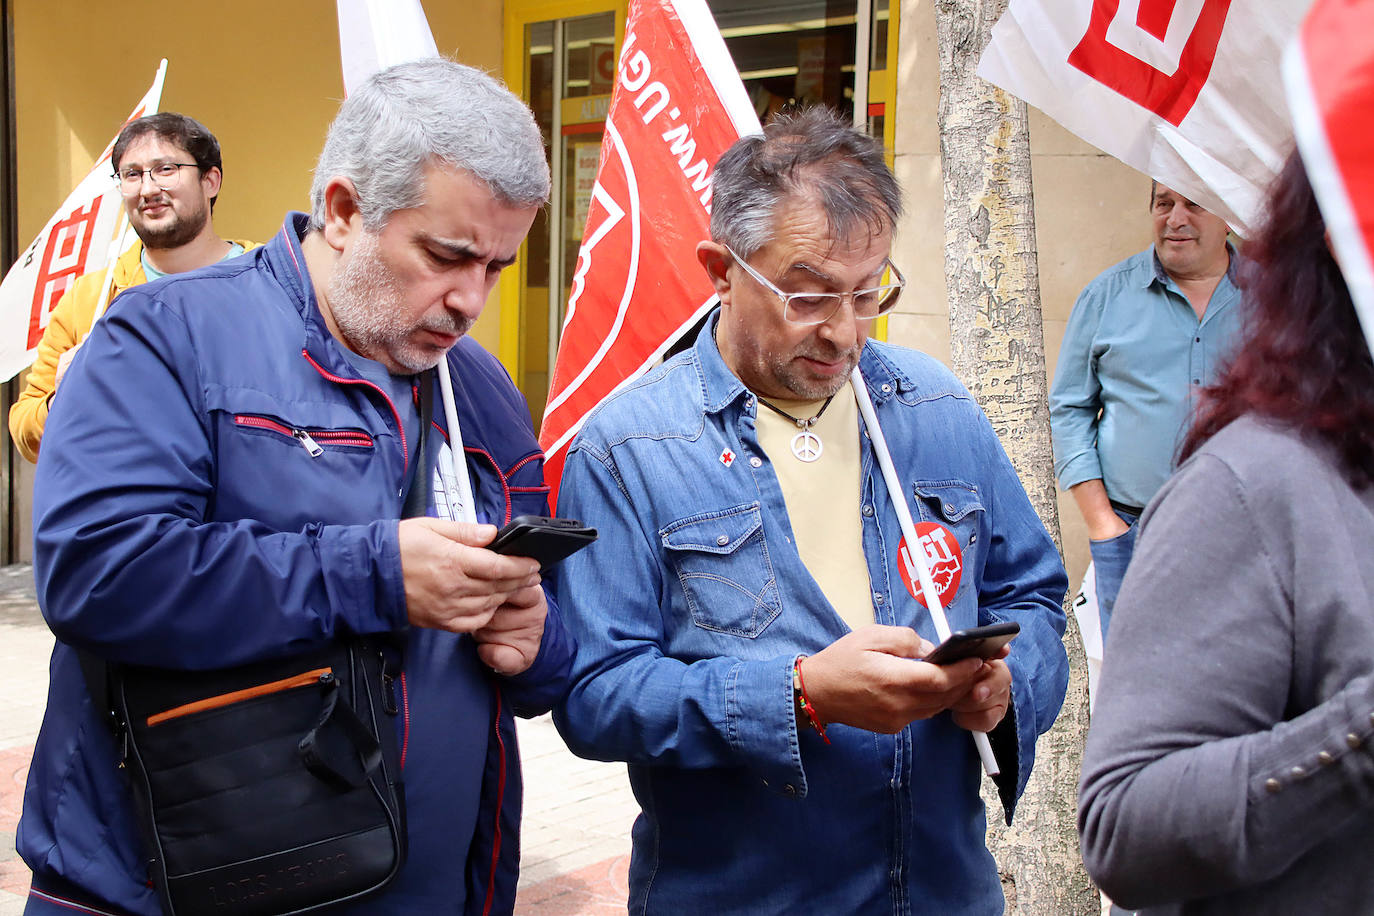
[
  {"x": 685, "y": 653},
  {"x": 179, "y": 523}
]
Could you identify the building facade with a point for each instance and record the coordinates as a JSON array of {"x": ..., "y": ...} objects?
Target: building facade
[{"x": 265, "y": 77}]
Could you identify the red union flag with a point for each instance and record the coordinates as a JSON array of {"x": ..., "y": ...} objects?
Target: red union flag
[
  {"x": 1186, "y": 91},
  {"x": 79, "y": 238},
  {"x": 1329, "y": 74},
  {"x": 678, "y": 103}
]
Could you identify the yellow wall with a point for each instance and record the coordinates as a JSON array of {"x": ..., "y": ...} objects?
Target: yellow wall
[{"x": 263, "y": 76}]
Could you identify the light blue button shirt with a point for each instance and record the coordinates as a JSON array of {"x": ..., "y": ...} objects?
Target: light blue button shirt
[{"x": 1133, "y": 355}]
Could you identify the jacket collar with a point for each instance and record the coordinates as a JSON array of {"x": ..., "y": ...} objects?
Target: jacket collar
[
  {"x": 128, "y": 270},
  {"x": 287, "y": 263},
  {"x": 1154, "y": 272},
  {"x": 721, "y": 387}
]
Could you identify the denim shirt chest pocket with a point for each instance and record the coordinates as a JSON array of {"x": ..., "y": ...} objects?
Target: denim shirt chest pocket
[
  {"x": 721, "y": 559},
  {"x": 956, "y": 506}
]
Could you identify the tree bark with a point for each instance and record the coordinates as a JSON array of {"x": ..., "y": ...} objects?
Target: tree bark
[{"x": 998, "y": 350}]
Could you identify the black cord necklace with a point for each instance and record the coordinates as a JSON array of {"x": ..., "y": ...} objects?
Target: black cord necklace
[{"x": 806, "y": 445}]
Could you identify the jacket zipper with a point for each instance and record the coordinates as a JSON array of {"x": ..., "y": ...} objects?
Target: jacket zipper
[
  {"x": 339, "y": 380},
  {"x": 309, "y": 440},
  {"x": 304, "y": 679}
]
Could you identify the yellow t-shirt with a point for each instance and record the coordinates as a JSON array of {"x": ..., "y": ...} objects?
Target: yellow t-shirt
[{"x": 822, "y": 498}]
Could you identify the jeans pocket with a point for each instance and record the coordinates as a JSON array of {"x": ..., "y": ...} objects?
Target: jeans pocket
[
  {"x": 721, "y": 559},
  {"x": 1113, "y": 541}
]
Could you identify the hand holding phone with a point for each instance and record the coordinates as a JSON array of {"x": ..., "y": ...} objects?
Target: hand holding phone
[
  {"x": 976, "y": 642},
  {"x": 542, "y": 538}
]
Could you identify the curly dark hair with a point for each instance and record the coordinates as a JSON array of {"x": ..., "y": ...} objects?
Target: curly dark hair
[{"x": 1303, "y": 360}]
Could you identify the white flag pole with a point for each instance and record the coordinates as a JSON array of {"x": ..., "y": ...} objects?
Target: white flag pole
[
  {"x": 374, "y": 35},
  {"x": 123, "y": 226},
  {"x": 898, "y": 495},
  {"x": 117, "y": 246},
  {"x": 458, "y": 467}
]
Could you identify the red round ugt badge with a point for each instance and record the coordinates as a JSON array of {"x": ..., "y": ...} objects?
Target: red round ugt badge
[{"x": 946, "y": 561}]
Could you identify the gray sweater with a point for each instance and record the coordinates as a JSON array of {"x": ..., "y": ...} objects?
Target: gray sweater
[{"x": 1230, "y": 763}]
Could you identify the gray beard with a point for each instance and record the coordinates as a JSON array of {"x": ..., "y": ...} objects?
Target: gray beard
[{"x": 365, "y": 299}]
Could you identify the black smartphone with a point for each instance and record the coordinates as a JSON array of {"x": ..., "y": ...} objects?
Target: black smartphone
[
  {"x": 542, "y": 538},
  {"x": 978, "y": 642}
]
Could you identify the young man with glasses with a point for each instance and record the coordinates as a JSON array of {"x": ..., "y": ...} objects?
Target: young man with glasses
[
  {"x": 748, "y": 627},
  {"x": 168, "y": 169}
]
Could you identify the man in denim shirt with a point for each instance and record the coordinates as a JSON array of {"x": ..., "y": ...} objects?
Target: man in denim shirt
[
  {"x": 749, "y": 636},
  {"x": 1142, "y": 336}
]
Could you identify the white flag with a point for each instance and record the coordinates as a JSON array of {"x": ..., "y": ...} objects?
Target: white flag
[
  {"x": 375, "y": 34},
  {"x": 79, "y": 238},
  {"x": 1186, "y": 91}
]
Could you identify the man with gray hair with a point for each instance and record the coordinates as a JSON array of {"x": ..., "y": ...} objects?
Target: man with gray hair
[
  {"x": 246, "y": 466},
  {"x": 756, "y": 656}
]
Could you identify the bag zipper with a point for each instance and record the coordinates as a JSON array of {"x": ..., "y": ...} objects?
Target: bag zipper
[
  {"x": 304, "y": 679},
  {"x": 309, "y": 439}
]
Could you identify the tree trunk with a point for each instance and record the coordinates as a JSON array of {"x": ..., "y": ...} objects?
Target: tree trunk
[{"x": 998, "y": 348}]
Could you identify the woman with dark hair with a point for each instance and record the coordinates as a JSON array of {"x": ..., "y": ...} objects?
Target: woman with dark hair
[{"x": 1230, "y": 763}]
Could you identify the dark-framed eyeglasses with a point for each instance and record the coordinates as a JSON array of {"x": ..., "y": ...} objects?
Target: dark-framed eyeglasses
[
  {"x": 818, "y": 308},
  {"x": 165, "y": 175}
]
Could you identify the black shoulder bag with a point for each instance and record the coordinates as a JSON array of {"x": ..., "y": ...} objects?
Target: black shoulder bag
[
  {"x": 270, "y": 788},
  {"x": 273, "y": 788}
]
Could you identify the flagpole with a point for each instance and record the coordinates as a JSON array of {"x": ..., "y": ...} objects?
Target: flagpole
[
  {"x": 117, "y": 246},
  {"x": 457, "y": 466},
  {"x": 913, "y": 545}
]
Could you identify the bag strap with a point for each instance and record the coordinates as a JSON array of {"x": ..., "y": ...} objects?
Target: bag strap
[
  {"x": 418, "y": 492},
  {"x": 339, "y": 749},
  {"x": 97, "y": 674}
]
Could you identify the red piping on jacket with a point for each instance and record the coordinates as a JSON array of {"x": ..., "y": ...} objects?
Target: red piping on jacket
[
  {"x": 338, "y": 380},
  {"x": 68, "y": 904},
  {"x": 335, "y": 436},
  {"x": 502, "y": 476},
  {"x": 506, "y": 491},
  {"x": 542, "y": 488},
  {"x": 500, "y": 803}
]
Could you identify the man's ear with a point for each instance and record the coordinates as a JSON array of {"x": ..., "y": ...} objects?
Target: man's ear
[
  {"x": 715, "y": 260},
  {"x": 210, "y": 181},
  {"x": 341, "y": 214}
]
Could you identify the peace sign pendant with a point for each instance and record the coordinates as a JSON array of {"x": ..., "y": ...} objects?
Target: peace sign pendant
[{"x": 806, "y": 446}]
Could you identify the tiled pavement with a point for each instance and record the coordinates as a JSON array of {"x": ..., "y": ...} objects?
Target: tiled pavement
[{"x": 577, "y": 812}]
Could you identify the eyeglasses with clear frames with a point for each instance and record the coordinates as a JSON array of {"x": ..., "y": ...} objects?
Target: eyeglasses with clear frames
[
  {"x": 818, "y": 308},
  {"x": 165, "y": 175}
]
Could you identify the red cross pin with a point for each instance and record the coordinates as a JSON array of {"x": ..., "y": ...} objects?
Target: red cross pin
[{"x": 727, "y": 457}]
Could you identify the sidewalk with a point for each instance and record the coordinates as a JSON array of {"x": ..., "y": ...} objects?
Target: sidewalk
[{"x": 576, "y": 833}]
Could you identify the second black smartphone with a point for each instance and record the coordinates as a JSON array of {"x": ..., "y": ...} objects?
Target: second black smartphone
[
  {"x": 542, "y": 538},
  {"x": 979, "y": 642}
]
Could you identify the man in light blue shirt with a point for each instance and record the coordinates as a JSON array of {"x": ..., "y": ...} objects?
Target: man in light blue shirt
[{"x": 1142, "y": 337}]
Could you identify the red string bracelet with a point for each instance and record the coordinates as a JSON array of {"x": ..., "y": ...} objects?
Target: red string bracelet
[{"x": 804, "y": 702}]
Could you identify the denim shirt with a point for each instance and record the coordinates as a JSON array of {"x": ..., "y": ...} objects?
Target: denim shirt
[
  {"x": 692, "y": 606},
  {"x": 1134, "y": 353}
]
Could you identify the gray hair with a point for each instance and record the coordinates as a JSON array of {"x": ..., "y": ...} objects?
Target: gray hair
[
  {"x": 409, "y": 115},
  {"x": 813, "y": 152}
]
